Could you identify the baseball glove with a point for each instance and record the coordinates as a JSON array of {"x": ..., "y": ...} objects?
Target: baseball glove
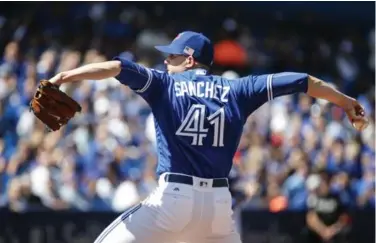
[{"x": 52, "y": 106}]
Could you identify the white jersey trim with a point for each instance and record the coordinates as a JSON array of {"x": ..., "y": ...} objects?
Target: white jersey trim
[
  {"x": 148, "y": 82},
  {"x": 269, "y": 87}
]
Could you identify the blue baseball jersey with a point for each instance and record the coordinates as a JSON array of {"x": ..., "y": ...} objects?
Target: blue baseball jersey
[{"x": 199, "y": 117}]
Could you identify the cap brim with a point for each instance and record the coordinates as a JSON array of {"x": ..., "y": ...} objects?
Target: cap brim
[{"x": 168, "y": 50}]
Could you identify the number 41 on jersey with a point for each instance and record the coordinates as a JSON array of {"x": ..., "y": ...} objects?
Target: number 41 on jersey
[{"x": 193, "y": 125}]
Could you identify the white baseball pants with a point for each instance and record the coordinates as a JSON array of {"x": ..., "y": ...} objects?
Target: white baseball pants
[{"x": 176, "y": 213}]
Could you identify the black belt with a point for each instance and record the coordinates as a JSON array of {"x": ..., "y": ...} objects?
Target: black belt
[{"x": 184, "y": 179}]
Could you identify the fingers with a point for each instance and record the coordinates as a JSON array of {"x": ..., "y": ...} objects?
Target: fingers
[
  {"x": 359, "y": 110},
  {"x": 357, "y": 116},
  {"x": 360, "y": 124}
]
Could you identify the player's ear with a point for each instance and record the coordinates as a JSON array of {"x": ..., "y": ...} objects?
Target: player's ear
[{"x": 190, "y": 61}]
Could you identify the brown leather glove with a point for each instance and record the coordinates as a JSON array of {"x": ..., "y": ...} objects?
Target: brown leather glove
[{"x": 52, "y": 106}]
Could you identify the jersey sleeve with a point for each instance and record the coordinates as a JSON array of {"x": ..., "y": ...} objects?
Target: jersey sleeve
[
  {"x": 145, "y": 81},
  {"x": 255, "y": 90}
]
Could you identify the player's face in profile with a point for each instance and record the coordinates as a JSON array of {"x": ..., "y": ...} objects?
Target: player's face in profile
[{"x": 176, "y": 63}]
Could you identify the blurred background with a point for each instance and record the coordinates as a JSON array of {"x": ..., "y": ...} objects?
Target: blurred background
[{"x": 103, "y": 161}]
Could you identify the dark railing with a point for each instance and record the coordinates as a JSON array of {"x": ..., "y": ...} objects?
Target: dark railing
[{"x": 76, "y": 227}]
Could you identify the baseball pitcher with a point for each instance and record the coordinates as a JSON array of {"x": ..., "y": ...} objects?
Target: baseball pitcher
[{"x": 199, "y": 120}]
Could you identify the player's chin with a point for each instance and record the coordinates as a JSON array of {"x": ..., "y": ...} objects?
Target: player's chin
[{"x": 171, "y": 69}]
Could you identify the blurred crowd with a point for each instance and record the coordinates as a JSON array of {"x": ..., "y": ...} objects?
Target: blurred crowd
[{"x": 105, "y": 158}]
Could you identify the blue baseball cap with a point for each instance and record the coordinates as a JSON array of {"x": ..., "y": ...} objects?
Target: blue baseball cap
[{"x": 192, "y": 44}]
